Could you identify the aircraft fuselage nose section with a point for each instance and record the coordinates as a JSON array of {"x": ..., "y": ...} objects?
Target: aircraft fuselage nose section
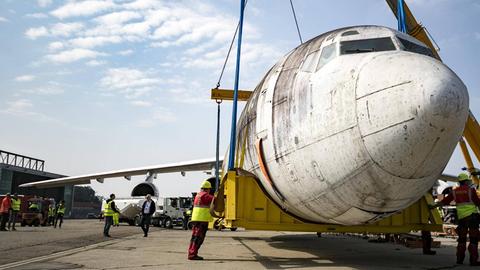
[
  {"x": 358, "y": 138},
  {"x": 410, "y": 109}
]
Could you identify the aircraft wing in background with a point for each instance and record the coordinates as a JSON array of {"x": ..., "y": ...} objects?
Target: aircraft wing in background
[{"x": 194, "y": 165}]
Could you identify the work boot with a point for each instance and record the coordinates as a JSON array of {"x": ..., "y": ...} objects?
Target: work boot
[
  {"x": 196, "y": 258},
  {"x": 13, "y": 229},
  {"x": 461, "y": 248},
  {"x": 473, "y": 250},
  {"x": 427, "y": 243}
]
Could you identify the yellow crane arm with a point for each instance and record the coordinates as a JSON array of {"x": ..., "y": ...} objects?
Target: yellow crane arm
[{"x": 414, "y": 29}]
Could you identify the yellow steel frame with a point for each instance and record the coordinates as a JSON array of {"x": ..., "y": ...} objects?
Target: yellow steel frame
[{"x": 247, "y": 206}]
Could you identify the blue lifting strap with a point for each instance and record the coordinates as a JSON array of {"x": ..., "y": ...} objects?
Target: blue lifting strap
[{"x": 402, "y": 27}]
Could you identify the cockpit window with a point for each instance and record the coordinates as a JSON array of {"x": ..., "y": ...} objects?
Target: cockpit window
[
  {"x": 412, "y": 47},
  {"x": 328, "y": 53},
  {"x": 350, "y": 33},
  {"x": 310, "y": 62},
  {"x": 366, "y": 45}
]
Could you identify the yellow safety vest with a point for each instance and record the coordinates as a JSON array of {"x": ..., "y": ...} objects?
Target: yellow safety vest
[
  {"x": 61, "y": 210},
  {"x": 33, "y": 206},
  {"x": 16, "y": 204},
  {"x": 467, "y": 208},
  {"x": 51, "y": 211},
  {"x": 108, "y": 211},
  {"x": 201, "y": 213}
]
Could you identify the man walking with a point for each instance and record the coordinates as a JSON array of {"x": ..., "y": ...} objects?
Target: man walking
[
  {"x": 5, "y": 206},
  {"x": 51, "y": 214},
  {"x": 60, "y": 213},
  {"x": 15, "y": 208},
  {"x": 467, "y": 201},
  {"x": 109, "y": 209},
  {"x": 148, "y": 208},
  {"x": 200, "y": 219}
]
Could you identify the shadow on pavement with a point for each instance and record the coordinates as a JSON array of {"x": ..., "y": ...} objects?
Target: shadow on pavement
[{"x": 310, "y": 251}]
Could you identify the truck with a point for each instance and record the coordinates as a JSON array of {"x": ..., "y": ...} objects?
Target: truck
[
  {"x": 38, "y": 216},
  {"x": 170, "y": 212}
]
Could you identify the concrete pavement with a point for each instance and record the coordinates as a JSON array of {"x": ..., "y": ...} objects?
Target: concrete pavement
[{"x": 166, "y": 249}]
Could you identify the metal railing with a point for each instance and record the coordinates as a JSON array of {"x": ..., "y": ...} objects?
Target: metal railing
[{"x": 21, "y": 161}]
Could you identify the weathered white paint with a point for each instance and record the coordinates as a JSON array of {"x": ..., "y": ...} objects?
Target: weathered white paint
[{"x": 359, "y": 139}]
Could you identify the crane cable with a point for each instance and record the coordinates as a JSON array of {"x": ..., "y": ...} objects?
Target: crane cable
[
  {"x": 229, "y": 50},
  {"x": 217, "y": 150},
  {"x": 296, "y": 22}
]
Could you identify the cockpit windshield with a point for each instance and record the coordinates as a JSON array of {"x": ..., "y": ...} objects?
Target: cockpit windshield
[
  {"x": 415, "y": 48},
  {"x": 366, "y": 45}
]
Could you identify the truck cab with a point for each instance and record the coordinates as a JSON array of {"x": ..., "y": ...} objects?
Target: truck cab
[{"x": 171, "y": 211}]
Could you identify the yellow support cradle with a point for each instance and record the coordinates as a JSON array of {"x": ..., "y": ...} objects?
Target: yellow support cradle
[{"x": 247, "y": 206}]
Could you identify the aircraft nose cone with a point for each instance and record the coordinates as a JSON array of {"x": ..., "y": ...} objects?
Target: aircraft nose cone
[{"x": 411, "y": 112}]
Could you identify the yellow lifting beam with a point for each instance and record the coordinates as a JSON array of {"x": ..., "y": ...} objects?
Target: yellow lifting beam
[
  {"x": 246, "y": 205},
  {"x": 472, "y": 128},
  {"x": 227, "y": 94}
]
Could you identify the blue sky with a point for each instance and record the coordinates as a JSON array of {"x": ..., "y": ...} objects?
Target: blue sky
[{"x": 97, "y": 85}]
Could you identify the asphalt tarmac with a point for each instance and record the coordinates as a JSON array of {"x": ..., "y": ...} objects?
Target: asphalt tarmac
[{"x": 80, "y": 245}]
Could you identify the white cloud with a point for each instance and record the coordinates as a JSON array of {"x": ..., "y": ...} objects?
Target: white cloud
[
  {"x": 25, "y": 108},
  {"x": 3, "y": 19},
  {"x": 73, "y": 55},
  {"x": 36, "y": 32},
  {"x": 59, "y": 29},
  {"x": 163, "y": 115},
  {"x": 37, "y": 15},
  {"x": 84, "y": 8},
  {"x": 53, "y": 46},
  {"x": 91, "y": 42},
  {"x": 117, "y": 18},
  {"x": 160, "y": 115},
  {"x": 18, "y": 106},
  {"x": 25, "y": 78},
  {"x": 65, "y": 29},
  {"x": 140, "y": 103},
  {"x": 94, "y": 63},
  {"x": 132, "y": 82},
  {"x": 44, "y": 3},
  {"x": 125, "y": 52},
  {"x": 142, "y": 4},
  {"x": 46, "y": 91}
]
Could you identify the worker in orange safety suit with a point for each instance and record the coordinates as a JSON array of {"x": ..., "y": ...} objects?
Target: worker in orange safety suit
[
  {"x": 466, "y": 201},
  {"x": 200, "y": 219}
]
